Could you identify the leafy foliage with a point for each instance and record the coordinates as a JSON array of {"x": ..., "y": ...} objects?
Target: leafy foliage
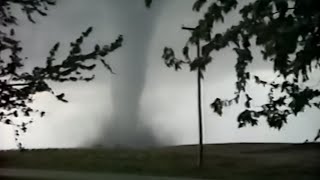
[
  {"x": 17, "y": 87},
  {"x": 148, "y": 3},
  {"x": 288, "y": 33}
]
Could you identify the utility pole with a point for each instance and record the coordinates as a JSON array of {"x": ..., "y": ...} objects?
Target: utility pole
[{"x": 200, "y": 160}]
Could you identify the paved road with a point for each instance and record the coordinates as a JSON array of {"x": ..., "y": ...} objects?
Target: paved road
[{"x": 63, "y": 175}]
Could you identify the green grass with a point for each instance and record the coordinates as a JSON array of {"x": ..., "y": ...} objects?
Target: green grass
[
  {"x": 225, "y": 161},
  {"x": 17, "y": 178}
]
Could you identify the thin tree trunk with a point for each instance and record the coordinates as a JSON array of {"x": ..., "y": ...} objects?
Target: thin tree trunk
[
  {"x": 200, "y": 163},
  {"x": 200, "y": 145}
]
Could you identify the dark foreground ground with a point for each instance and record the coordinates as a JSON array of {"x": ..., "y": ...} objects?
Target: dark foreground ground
[{"x": 222, "y": 161}]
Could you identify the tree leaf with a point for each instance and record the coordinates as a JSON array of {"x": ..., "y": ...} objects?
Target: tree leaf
[{"x": 148, "y": 3}]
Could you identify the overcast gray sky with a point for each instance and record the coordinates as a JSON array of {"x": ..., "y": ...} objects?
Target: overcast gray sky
[{"x": 163, "y": 101}]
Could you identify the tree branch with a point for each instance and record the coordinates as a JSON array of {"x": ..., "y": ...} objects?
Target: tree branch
[{"x": 279, "y": 12}]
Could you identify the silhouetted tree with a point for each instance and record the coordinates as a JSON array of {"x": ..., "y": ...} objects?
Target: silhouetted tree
[
  {"x": 287, "y": 31},
  {"x": 18, "y": 87}
]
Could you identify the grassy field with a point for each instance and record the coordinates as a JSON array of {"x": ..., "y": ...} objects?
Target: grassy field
[
  {"x": 9, "y": 178},
  {"x": 224, "y": 161}
]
